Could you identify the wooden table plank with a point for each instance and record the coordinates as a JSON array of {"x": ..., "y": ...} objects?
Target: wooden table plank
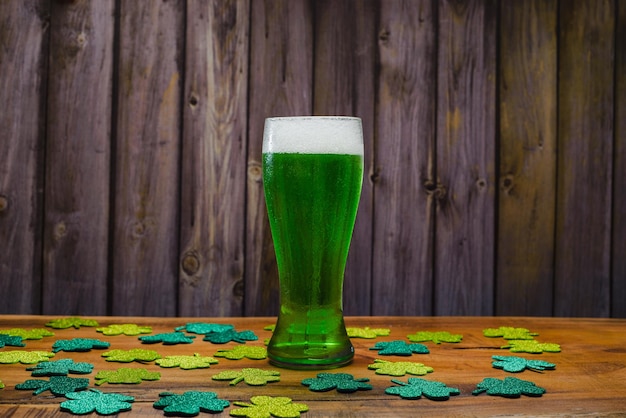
[{"x": 589, "y": 379}]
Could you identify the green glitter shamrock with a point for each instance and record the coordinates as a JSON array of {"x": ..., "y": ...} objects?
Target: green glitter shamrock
[
  {"x": 399, "y": 368},
  {"x": 241, "y": 351},
  {"x": 24, "y": 357},
  {"x": 267, "y": 406},
  {"x": 531, "y": 346},
  {"x": 190, "y": 403},
  {"x": 135, "y": 354},
  {"x": 126, "y": 329},
  {"x": 79, "y": 344},
  {"x": 367, "y": 332},
  {"x": 58, "y": 385},
  {"x": 250, "y": 375},
  {"x": 33, "y": 334},
  {"x": 509, "y": 333},
  {"x": 125, "y": 375},
  {"x": 514, "y": 364},
  {"x": 510, "y": 387},
  {"x": 416, "y": 387},
  {"x": 271, "y": 327},
  {"x": 60, "y": 368},
  {"x": 399, "y": 348},
  {"x": 11, "y": 340},
  {"x": 343, "y": 382},
  {"x": 231, "y": 335},
  {"x": 73, "y": 321},
  {"x": 92, "y": 400},
  {"x": 435, "y": 336},
  {"x": 204, "y": 327},
  {"x": 1, "y": 385},
  {"x": 187, "y": 362},
  {"x": 169, "y": 338}
]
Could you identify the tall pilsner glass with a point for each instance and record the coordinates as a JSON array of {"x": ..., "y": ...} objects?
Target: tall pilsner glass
[{"x": 312, "y": 177}]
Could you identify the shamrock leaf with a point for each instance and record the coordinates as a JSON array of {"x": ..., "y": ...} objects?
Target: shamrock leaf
[
  {"x": 518, "y": 364},
  {"x": 187, "y": 362},
  {"x": 74, "y": 321},
  {"x": 1, "y": 385},
  {"x": 416, "y": 387},
  {"x": 343, "y": 382},
  {"x": 33, "y": 334},
  {"x": 509, "y": 333},
  {"x": 267, "y": 406},
  {"x": 24, "y": 357},
  {"x": 190, "y": 403},
  {"x": 93, "y": 400},
  {"x": 79, "y": 344},
  {"x": 252, "y": 376},
  {"x": 135, "y": 354},
  {"x": 399, "y": 368},
  {"x": 169, "y": 338},
  {"x": 241, "y": 351},
  {"x": 204, "y": 327},
  {"x": 435, "y": 336},
  {"x": 367, "y": 332},
  {"x": 231, "y": 335},
  {"x": 532, "y": 346},
  {"x": 126, "y": 329},
  {"x": 125, "y": 375},
  {"x": 58, "y": 385},
  {"x": 11, "y": 340},
  {"x": 510, "y": 387},
  {"x": 60, "y": 368},
  {"x": 399, "y": 348}
]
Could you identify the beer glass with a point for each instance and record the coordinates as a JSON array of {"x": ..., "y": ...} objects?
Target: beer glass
[{"x": 312, "y": 178}]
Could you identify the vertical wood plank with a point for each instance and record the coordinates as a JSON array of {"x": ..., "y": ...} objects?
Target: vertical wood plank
[
  {"x": 23, "y": 58},
  {"x": 214, "y": 158},
  {"x": 528, "y": 98},
  {"x": 78, "y": 157},
  {"x": 583, "y": 246},
  {"x": 145, "y": 240},
  {"x": 281, "y": 76},
  {"x": 345, "y": 59},
  {"x": 405, "y": 133},
  {"x": 465, "y": 226}
]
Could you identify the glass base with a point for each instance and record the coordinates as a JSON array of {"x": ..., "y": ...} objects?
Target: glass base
[{"x": 311, "y": 358}]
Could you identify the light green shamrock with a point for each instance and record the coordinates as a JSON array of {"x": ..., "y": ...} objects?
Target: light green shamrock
[
  {"x": 125, "y": 375},
  {"x": 367, "y": 332},
  {"x": 33, "y": 334},
  {"x": 73, "y": 321},
  {"x": 399, "y": 368},
  {"x": 509, "y": 333},
  {"x": 24, "y": 357},
  {"x": 126, "y": 329},
  {"x": 250, "y": 375},
  {"x": 267, "y": 406},
  {"x": 1, "y": 385},
  {"x": 241, "y": 351},
  {"x": 135, "y": 354},
  {"x": 187, "y": 362},
  {"x": 531, "y": 346},
  {"x": 435, "y": 336}
]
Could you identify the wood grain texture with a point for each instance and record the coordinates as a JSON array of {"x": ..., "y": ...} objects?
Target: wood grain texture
[
  {"x": 527, "y": 168},
  {"x": 586, "y": 109},
  {"x": 78, "y": 152},
  {"x": 23, "y": 65}
]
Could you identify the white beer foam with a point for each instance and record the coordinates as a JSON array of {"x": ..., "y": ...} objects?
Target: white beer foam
[{"x": 313, "y": 135}]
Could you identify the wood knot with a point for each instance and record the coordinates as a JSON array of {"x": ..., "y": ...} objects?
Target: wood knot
[
  {"x": 506, "y": 183},
  {"x": 255, "y": 171},
  {"x": 4, "y": 203},
  {"x": 60, "y": 230},
  {"x": 190, "y": 264}
]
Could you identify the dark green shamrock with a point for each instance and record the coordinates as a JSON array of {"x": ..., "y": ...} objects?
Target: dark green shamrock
[
  {"x": 204, "y": 327},
  {"x": 510, "y": 387},
  {"x": 416, "y": 387},
  {"x": 230, "y": 335},
  {"x": 169, "y": 338},
  {"x": 33, "y": 334},
  {"x": 190, "y": 403},
  {"x": 514, "y": 364},
  {"x": 399, "y": 348},
  {"x": 73, "y": 321},
  {"x": 250, "y": 375},
  {"x": 125, "y": 375},
  {"x": 79, "y": 344},
  {"x": 60, "y": 368},
  {"x": 134, "y": 354},
  {"x": 267, "y": 406},
  {"x": 509, "y": 333},
  {"x": 343, "y": 382},
  {"x": 435, "y": 336},
  {"x": 12, "y": 340},
  {"x": 58, "y": 385},
  {"x": 93, "y": 400}
]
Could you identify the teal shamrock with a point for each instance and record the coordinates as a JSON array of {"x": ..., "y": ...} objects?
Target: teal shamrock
[
  {"x": 510, "y": 387},
  {"x": 514, "y": 364},
  {"x": 204, "y": 327},
  {"x": 343, "y": 382},
  {"x": 60, "y": 368},
  {"x": 416, "y": 387},
  {"x": 79, "y": 344},
  {"x": 12, "y": 340},
  {"x": 190, "y": 403},
  {"x": 93, "y": 400},
  {"x": 58, "y": 385},
  {"x": 169, "y": 338},
  {"x": 399, "y": 348},
  {"x": 230, "y": 335}
]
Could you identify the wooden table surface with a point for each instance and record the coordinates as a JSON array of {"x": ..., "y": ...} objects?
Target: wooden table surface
[{"x": 589, "y": 378}]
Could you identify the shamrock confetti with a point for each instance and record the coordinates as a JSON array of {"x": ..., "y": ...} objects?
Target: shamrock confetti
[
  {"x": 204, "y": 327},
  {"x": 230, "y": 335},
  {"x": 510, "y": 387},
  {"x": 190, "y": 403},
  {"x": 93, "y": 400},
  {"x": 135, "y": 354},
  {"x": 60, "y": 368},
  {"x": 24, "y": 357},
  {"x": 271, "y": 327},
  {"x": 435, "y": 336},
  {"x": 170, "y": 338},
  {"x": 251, "y": 376},
  {"x": 1, "y": 385},
  {"x": 33, "y": 334},
  {"x": 509, "y": 333},
  {"x": 79, "y": 344},
  {"x": 241, "y": 351},
  {"x": 416, "y": 387},
  {"x": 532, "y": 346},
  {"x": 13, "y": 341},
  {"x": 367, "y": 332},
  {"x": 125, "y": 375},
  {"x": 267, "y": 406},
  {"x": 514, "y": 364},
  {"x": 126, "y": 329},
  {"x": 58, "y": 385},
  {"x": 343, "y": 382},
  {"x": 399, "y": 348},
  {"x": 399, "y": 368},
  {"x": 187, "y": 362},
  {"x": 74, "y": 321}
]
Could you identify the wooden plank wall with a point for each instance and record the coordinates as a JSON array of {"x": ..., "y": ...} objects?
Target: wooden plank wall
[{"x": 495, "y": 147}]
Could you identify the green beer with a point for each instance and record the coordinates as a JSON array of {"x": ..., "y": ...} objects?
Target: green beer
[{"x": 312, "y": 176}]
